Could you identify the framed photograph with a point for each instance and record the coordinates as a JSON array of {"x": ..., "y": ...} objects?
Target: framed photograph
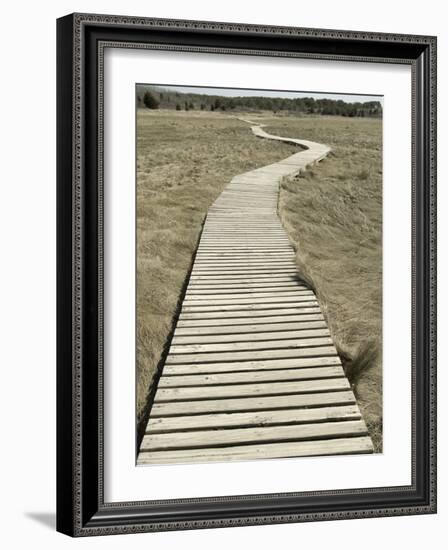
[{"x": 246, "y": 274}]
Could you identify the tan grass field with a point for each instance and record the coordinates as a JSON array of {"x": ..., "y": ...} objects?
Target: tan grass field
[{"x": 332, "y": 215}]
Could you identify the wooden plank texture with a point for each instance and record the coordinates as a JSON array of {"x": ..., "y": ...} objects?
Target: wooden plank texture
[
  {"x": 263, "y": 403},
  {"x": 250, "y": 390},
  {"x": 351, "y": 445},
  {"x": 193, "y": 379},
  {"x": 253, "y": 365},
  {"x": 265, "y": 434},
  {"x": 258, "y": 418}
]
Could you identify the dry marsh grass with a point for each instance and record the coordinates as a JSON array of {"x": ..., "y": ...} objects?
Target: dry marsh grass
[{"x": 184, "y": 160}]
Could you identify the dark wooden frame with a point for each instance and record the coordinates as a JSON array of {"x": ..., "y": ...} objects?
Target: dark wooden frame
[{"x": 81, "y": 510}]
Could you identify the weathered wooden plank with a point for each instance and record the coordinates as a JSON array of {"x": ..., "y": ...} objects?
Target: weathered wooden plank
[
  {"x": 264, "y": 290},
  {"x": 245, "y": 286},
  {"x": 293, "y": 343},
  {"x": 263, "y": 281},
  {"x": 235, "y": 224},
  {"x": 252, "y": 328},
  {"x": 257, "y": 418},
  {"x": 218, "y": 220},
  {"x": 274, "y": 277},
  {"x": 243, "y": 336},
  {"x": 250, "y": 312},
  {"x": 220, "y": 293},
  {"x": 264, "y": 234},
  {"x": 277, "y": 305},
  {"x": 250, "y": 390},
  {"x": 249, "y": 201},
  {"x": 242, "y": 283},
  {"x": 224, "y": 294},
  {"x": 238, "y": 436},
  {"x": 242, "y": 272},
  {"x": 292, "y": 298},
  {"x": 220, "y": 236},
  {"x": 270, "y": 250},
  {"x": 247, "y": 293},
  {"x": 302, "y": 317},
  {"x": 247, "y": 195},
  {"x": 245, "y": 268},
  {"x": 241, "y": 276},
  {"x": 277, "y": 238},
  {"x": 196, "y": 379},
  {"x": 288, "y": 252},
  {"x": 255, "y": 256},
  {"x": 245, "y": 191},
  {"x": 240, "y": 245},
  {"x": 247, "y": 404},
  {"x": 232, "y": 222},
  {"x": 212, "y": 283},
  {"x": 318, "y": 351},
  {"x": 263, "y": 191},
  {"x": 262, "y": 230},
  {"x": 226, "y": 264},
  {"x": 287, "y": 256},
  {"x": 255, "y": 365},
  {"x": 285, "y": 259},
  {"x": 352, "y": 445},
  {"x": 235, "y": 304},
  {"x": 214, "y": 223},
  {"x": 255, "y": 277},
  {"x": 243, "y": 238},
  {"x": 242, "y": 248},
  {"x": 239, "y": 289},
  {"x": 237, "y": 244}
]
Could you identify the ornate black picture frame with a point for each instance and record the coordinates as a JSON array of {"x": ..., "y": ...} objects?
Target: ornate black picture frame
[{"x": 81, "y": 509}]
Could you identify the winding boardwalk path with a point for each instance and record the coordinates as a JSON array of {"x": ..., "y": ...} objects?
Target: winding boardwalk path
[{"x": 252, "y": 371}]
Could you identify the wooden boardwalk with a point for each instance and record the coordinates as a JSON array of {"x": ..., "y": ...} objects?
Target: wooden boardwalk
[{"x": 252, "y": 371}]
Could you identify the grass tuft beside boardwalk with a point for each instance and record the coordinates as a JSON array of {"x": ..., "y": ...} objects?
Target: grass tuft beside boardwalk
[{"x": 184, "y": 160}]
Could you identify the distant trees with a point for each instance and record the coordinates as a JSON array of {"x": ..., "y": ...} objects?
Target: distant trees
[
  {"x": 150, "y": 101},
  {"x": 154, "y": 98}
]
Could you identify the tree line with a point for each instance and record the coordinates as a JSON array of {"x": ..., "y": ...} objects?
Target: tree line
[{"x": 154, "y": 98}]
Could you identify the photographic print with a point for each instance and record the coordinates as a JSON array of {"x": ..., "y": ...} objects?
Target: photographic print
[
  {"x": 259, "y": 274},
  {"x": 246, "y": 263}
]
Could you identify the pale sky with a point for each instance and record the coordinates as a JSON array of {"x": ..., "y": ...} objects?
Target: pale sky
[{"x": 235, "y": 92}]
